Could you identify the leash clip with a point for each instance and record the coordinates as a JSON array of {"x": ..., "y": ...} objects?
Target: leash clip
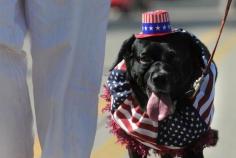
[
  {"x": 197, "y": 84},
  {"x": 195, "y": 88}
]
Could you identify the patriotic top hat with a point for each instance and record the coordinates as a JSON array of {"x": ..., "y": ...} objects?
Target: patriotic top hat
[{"x": 155, "y": 23}]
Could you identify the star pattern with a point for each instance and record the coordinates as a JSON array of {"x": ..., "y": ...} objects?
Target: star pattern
[
  {"x": 181, "y": 128},
  {"x": 119, "y": 87},
  {"x": 157, "y": 28},
  {"x": 164, "y": 27},
  {"x": 151, "y": 28},
  {"x": 178, "y": 130}
]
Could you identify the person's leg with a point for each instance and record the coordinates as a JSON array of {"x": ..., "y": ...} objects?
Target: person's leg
[
  {"x": 68, "y": 44},
  {"x": 16, "y": 138}
]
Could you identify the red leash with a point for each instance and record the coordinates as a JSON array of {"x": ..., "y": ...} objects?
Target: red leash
[
  {"x": 198, "y": 82},
  {"x": 218, "y": 39}
]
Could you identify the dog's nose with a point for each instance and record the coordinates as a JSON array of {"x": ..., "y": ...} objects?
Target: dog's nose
[{"x": 160, "y": 79}]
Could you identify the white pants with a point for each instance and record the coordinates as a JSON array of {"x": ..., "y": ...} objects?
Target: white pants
[{"x": 67, "y": 47}]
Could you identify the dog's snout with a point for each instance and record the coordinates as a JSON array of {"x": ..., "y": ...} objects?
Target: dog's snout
[{"x": 160, "y": 79}]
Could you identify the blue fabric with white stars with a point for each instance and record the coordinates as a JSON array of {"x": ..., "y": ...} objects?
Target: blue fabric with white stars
[
  {"x": 178, "y": 130},
  {"x": 119, "y": 87},
  {"x": 153, "y": 28},
  {"x": 182, "y": 128}
]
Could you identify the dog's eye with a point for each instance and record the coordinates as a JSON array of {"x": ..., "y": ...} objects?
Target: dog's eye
[
  {"x": 145, "y": 60},
  {"x": 169, "y": 56}
]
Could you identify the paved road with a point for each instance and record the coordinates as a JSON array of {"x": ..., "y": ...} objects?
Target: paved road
[{"x": 105, "y": 146}]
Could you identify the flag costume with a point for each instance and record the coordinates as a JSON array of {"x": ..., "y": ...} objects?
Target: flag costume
[{"x": 188, "y": 126}]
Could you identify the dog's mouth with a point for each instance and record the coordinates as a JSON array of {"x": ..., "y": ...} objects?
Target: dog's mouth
[{"x": 159, "y": 106}]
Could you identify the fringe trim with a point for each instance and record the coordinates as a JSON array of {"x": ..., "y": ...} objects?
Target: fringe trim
[{"x": 210, "y": 138}]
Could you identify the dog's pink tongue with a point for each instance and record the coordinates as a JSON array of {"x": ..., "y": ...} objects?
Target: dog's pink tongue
[{"x": 157, "y": 107}]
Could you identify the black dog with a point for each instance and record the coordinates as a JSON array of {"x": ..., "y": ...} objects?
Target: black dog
[{"x": 162, "y": 71}]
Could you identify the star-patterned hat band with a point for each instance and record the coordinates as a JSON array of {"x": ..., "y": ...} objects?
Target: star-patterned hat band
[{"x": 155, "y": 23}]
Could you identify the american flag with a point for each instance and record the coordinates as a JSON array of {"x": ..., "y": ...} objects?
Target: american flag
[
  {"x": 177, "y": 130},
  {"x": 156, "y": 22}
]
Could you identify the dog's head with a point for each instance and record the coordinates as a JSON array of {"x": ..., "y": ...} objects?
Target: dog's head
[{"x": 161, "y": 70}]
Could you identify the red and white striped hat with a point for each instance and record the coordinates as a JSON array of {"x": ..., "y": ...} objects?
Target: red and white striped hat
[{"x": 155, "y": 23}]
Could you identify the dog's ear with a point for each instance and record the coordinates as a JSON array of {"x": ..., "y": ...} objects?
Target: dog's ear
[
  {"x": 200, "y": 50},
  {"x": 196, "y": 46},
  {"x": 125, "y": 51}
]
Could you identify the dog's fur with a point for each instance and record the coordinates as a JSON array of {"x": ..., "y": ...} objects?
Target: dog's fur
[{"x": 167, "y": 65}]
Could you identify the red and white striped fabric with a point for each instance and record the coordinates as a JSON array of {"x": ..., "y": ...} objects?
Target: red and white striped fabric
[
  {"x": 204, "y": 100},
  {"x": 155, "y": 23},
  {"x": 159, "y": 16},
  {"x": 135, "y": 122}
]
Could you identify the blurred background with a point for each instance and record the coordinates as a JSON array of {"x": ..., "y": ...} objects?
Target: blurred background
[{"x": 202, "y": 18}]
